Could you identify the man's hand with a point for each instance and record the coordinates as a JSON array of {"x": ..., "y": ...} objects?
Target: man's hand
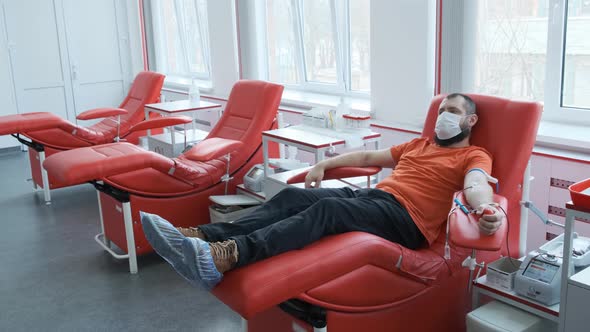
[
  {"x": 491, "y": 218},
  {"x": 314, "y": 176}
]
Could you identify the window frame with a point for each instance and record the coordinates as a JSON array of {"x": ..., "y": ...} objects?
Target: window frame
[
  {"x": 340, "y": 22},
  {"x": 555, "y": 69}
]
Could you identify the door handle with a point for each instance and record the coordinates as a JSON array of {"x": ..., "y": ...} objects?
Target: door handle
[{"x": 74, "y": 72}]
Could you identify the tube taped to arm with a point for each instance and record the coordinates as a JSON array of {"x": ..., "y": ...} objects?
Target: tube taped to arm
[{"x": 489, "y": 178}]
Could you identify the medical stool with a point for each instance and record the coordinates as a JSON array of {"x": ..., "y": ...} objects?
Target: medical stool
[{"x": 499, "y": 317}]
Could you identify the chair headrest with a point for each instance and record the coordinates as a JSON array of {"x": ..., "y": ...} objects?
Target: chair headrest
[{"x": 146, "y": 86}]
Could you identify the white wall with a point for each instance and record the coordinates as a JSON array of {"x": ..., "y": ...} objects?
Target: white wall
[
  {"x": 7, "y": 97},
  {"x": 135, "y": 38},
  {"x": 223, "y": 46},
  {"x": 402, "y": 60}
]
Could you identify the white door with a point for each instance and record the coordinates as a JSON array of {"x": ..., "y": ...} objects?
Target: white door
[
  {"x": 99, "y": 53},
  {"x": 38, "y": 57},
  {"x": 7, "y": 99}
]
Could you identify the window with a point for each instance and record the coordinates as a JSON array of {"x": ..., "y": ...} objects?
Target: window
[
  {"x": 576, "y": 60},
  {"x": 318, "y": 45},
  {"x": 510, "y": 50},
  {"x": 532, "y": 49},
  {"x": 181, "y": 39}
]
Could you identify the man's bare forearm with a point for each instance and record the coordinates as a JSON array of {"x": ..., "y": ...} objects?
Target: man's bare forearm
[
  {"x": 479, "y": 194},
  {"x": 354, "y": 159},
  {"x": 477, "y": 189}
]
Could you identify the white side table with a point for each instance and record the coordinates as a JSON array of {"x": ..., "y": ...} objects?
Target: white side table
[
  {"x": 175, "y": 108},
  {"x": 305, "y": 140}
]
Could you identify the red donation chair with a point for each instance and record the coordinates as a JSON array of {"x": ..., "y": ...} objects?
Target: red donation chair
[
  {"x": 130, "y": 179},
  {"x": 360, "y": 282},
  {"x": 46, "y": 133}
]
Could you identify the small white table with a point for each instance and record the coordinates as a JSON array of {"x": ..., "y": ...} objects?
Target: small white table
[
  {"x": 179, "y": 107},
  {"x": 311, "y": 141}
]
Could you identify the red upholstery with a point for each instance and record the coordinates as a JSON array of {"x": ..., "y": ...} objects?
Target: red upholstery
[
  {"x": 161, "y": 122},
  {"x": 60, "y": 134},
  {"x": 177, "y": 189},
  {"x": 251, "y": 109},
  {"x": 213, "y": 148},
  {"x": 18, "y": 123},
  {"x": 366, "y": 282},
  {"x": 98, "y": 113},
  {"x": 464, "y": 229},
  {"x": 102, "y": 161}
]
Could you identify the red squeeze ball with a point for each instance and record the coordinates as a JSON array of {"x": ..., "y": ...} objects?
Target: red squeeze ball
[{"x": 487, "y": 211}]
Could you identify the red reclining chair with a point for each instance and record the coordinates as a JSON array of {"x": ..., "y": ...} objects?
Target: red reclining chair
[
  {"x": 360, "y": 282},
  {"x": 130, "y": 179},
  {"x": 48, "y": 134}
]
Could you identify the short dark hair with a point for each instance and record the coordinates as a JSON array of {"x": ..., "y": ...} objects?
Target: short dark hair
[{"x": 469, "y": 103}]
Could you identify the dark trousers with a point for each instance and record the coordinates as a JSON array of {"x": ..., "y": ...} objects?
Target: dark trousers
[{"x": 297, "y": 217}]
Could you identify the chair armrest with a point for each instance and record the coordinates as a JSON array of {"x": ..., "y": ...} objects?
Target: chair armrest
[
  {"x": 339, "y": 173},
  {"x": 98, "y": 113},
  {"x": 212, "y": 148},
  {"x": 464, "y": 229},
  {"x": 161, "y": 122}
]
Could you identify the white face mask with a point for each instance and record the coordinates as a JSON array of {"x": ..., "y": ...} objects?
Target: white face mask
[{"x": 448, "y": 125}]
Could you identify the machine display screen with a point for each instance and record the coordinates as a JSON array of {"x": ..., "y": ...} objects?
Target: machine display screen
[
  {"x": 541, "y": 271},
  {"x": 255, "y": 172}
]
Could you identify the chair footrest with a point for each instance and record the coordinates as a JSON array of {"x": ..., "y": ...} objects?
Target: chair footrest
[
  {"x": 98, "y": 162},
  {"x": 27, "y": 122},
  {"x": 100, "y": 242}
]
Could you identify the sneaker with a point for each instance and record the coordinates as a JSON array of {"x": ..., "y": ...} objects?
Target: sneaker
[
  {"x": 192, "y": 232},
  {"x": 209, "y": 261},
  {"x": 167, "y": 242},
  {"x": 225, "y": 255}
]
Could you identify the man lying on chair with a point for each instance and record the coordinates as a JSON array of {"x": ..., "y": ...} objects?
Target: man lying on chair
[{"x": 409, "y": 207}]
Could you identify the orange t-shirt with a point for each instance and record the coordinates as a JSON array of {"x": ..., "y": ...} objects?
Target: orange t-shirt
[{"x": 426, "y": 176}]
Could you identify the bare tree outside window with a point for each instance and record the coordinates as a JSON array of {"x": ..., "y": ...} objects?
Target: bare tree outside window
[
  {"x": 281, "y": 42},
  {"x": 181, "y": 38},
  {"x": 511, "y": 48},
  {"x": 318, "y": 42},
  {"x": 319, "y": 45},
  {"x": 360, "y": 50}
]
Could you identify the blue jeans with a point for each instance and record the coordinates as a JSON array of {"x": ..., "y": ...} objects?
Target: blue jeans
[{"x": 297, "y": 217}]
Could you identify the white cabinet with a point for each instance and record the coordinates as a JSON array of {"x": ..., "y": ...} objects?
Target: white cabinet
[
  {"x": 576, "y": 307},
  {"x": 63, "y": 56}
]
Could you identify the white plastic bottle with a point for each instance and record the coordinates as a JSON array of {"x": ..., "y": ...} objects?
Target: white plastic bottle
[
  {"x": 342, "y": 108},
  {"x": 194, "y": 95}
]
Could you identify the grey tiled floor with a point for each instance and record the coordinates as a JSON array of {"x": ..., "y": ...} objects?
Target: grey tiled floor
[{"x": 54, "y": 277}]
